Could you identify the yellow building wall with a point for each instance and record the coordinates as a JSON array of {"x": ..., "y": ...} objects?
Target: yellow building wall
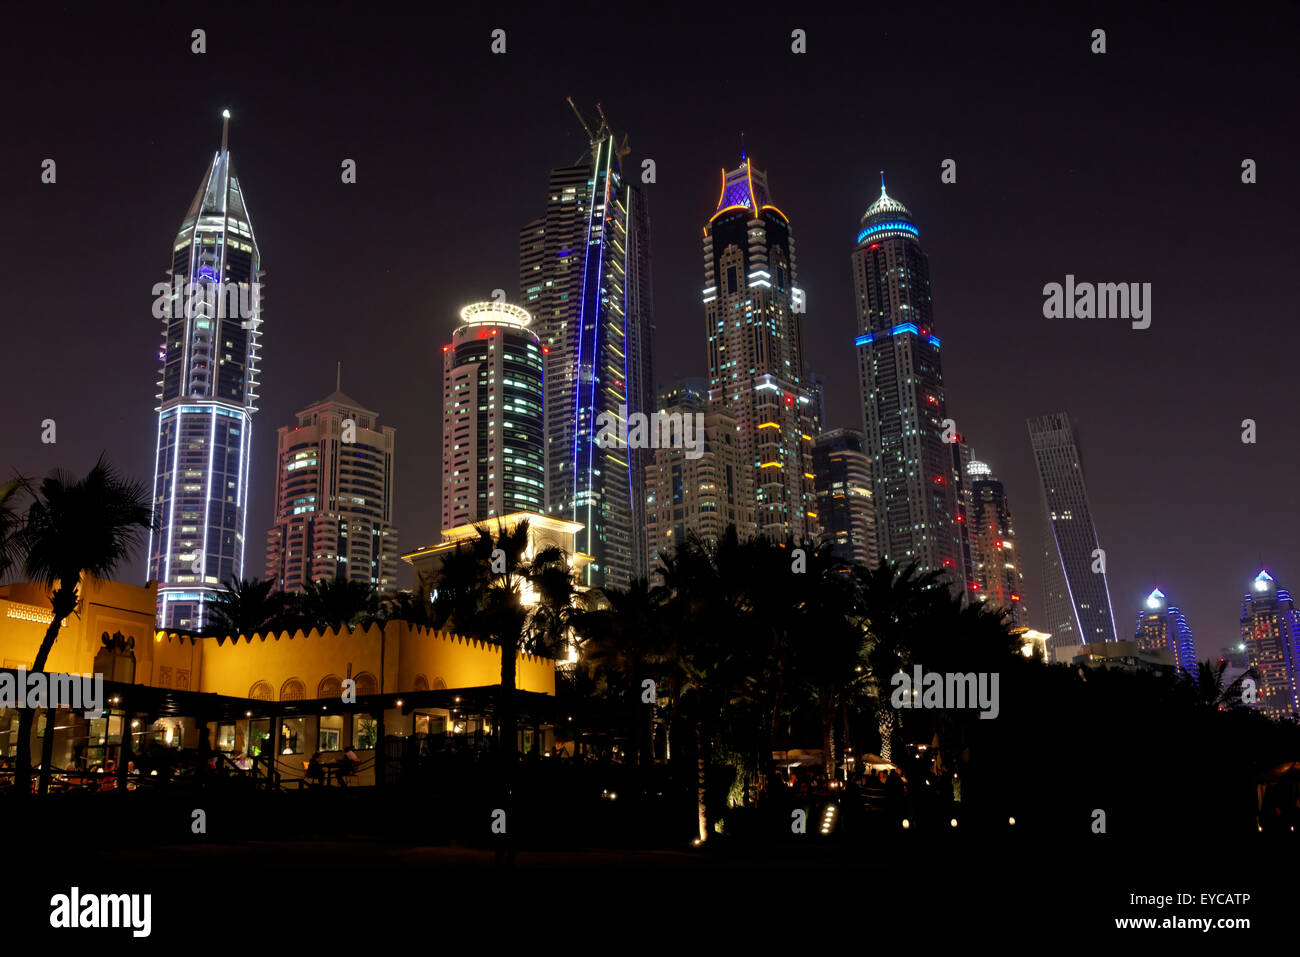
[
  {"x": 103, "y": 606},
  {"x": 233, "y": 666},
  {"x": 464, "y": 662}
]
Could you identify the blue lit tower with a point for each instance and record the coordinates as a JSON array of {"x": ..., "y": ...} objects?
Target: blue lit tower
[
  {"x": 752, "y": 308},
  {"x": 1161, "y": 625},
  {"x": 914, "y": 475},
  {"x": 208, "y": 386},
  {"x": 585, "y": 277},
  {"x": 1270, "y": 630}
]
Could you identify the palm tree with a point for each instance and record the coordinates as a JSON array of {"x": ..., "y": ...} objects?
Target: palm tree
[
  {"x": 10, "y": 522},
  {"x": 335, "y": 603},
  {"x": 897, "y": 601},
  {"x": 480, "y": 594},
  {"x": 1206, "y": 691},
  {"x": 247, "y": 607},
  {"x": 412, "y": 606},
  {"x": 73, "y": 528},
  {"x": 623, "y": 646}
]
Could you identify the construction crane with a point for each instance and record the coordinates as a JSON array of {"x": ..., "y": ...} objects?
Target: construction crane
[{"x": 602, "y": 133}]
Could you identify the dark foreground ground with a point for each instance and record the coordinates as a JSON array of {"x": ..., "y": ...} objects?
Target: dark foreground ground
[{"x": 373, "y": 870}]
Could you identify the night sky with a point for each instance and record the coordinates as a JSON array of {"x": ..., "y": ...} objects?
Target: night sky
[{"x": 1123, "y": 167}]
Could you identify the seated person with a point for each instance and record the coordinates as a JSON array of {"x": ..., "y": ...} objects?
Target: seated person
[{"x": 316, "y": 769}]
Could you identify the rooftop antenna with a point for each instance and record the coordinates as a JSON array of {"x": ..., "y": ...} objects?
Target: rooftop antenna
[
  {"x": 742, "y": 144},
  {"x": 338, "y": 378},
  {"x": 225, "y": 128},
  {"x": 882, "y": 182}
]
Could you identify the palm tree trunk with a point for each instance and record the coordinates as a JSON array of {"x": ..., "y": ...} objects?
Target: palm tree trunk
[
  {"x": 885, "y": 719},
  {"x": 828, "y": 742},
  {"x": 506, "y": 700},
  {"x": 62, "y": 604},
  {"x": 701, "y": 768}
]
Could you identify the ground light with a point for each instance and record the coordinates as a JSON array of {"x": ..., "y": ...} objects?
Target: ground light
[
  {"x": 1011, "y": 821},
  {"x": 953, "y": 822},
  {"x": 906, "y": 824},
  {"x": 828, "y": 818}
]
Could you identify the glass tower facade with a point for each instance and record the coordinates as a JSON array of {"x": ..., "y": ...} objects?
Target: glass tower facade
[
  {"x": 996, "y": 576},
  {"x": 211, "y": 318},
  {"x": 1270, "y": 630},
  {"x": 1161, "y": 625},
  {"x": 1076, "y": 597},
  {"x": 915, "y": 482},
  {"x": 493, "y": 418},
  {"x": 585, "y": 276},
  {"x": 752, "y": 305}
]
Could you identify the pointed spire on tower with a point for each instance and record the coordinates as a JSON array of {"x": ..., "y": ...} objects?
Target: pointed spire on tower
[
  {"x": 882, "y": 182},
  {"x": 742, "y": 145},
  {"x": 225, "y": 129},
  {"x": 338, "y": 378}
]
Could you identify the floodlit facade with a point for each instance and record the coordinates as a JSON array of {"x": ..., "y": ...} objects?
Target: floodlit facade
[
  {"x": 585, "y": 276},
  {"x": 334, "y": 498},
  {"x": 1076, "y": 597},
  {"x": 1162, "y": 625},
  {"x": 698, "y": 496},
  {"x": 1270, "y": 630},
  {"x": 844, "y": 504},
  {"x": 278, "y": 694},
  {"x": 996, "y": 576},
  {"x": 493, "y": 416},
  {"x": 752, "y": 309},
  {"x": 207, "y": 393},
  {"x": 915, "y": 482}
]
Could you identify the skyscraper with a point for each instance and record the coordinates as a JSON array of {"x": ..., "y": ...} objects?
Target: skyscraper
[
  {"x": 996, "y": 576},
  {"x": 698, "y": 495},
  {"x": 1161, "y": 625},
  {"x": 585, "y": 276},
  {"x": 1076, "y": 598},
  {"x": 844, "y": 507},
  {"x": 333, "y": 514},
  {"x": 493, "y": 416},
  {"x": 208, "y": 386},
  {"x": 914, "y": 481},
  {"x": 1270, "y": 630},
  {"x": 752, "y": 305}
]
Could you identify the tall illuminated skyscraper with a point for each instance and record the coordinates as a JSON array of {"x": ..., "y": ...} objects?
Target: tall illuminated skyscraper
[
  {"x": 493, "y": 416},
  {"x": 1270, "y": 630},
  {"x": 752, "y": 305},
  {"x": 334, "y": 494},
  {"x": 1075, "y": 597},
  {"x": 1161, "y": 625},
  {"x": 208, "y": 386},
  {"x": 585, "y": 276},
  {"x": 694, "y": 493},
  {"x": 915, "y": 482},
  {"x": 844, "y": 507},
  {"x": 996, "y": 576}
]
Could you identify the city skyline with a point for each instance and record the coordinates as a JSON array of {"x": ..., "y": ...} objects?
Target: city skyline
[{"x": 1203, "y": 560}]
